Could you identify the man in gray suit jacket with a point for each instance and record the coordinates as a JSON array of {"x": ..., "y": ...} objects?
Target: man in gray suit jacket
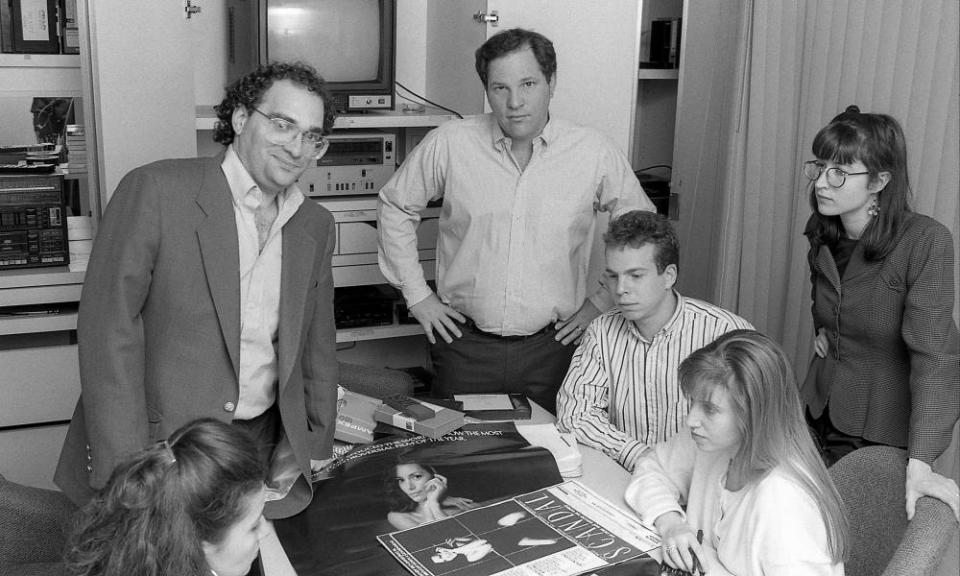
[{"x": 210, "y": 293}]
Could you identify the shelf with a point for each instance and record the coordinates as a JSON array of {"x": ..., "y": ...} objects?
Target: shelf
[
  {"x": 207, "y": 119},
  {"x": 378, "y": 332},
  {"x": 39, "y": 60},
  {"x": 393, "y": 119},
  {"x": 360, "y": 208},
  {"x": 10, "y": 325},
  {"x": 49, "y": 276},
  {"x": 40, "y": 286},
  {"x": 658, "y": 74}
]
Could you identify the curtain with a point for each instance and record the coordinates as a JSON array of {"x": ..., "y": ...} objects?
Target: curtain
[{"x": 801, "y": 63}]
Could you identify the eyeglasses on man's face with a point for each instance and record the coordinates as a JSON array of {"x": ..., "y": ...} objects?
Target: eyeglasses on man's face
[
  {"x": 282, "y": 132},
  {"x": 836, "y": 177}
]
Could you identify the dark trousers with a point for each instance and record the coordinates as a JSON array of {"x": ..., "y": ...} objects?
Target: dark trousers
[
  {"x": 480, "y": 362},
  {"x": 832, "y": 443}
]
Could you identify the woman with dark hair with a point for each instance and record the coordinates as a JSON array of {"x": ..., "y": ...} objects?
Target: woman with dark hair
[
  {"x": 746, "y": 469},
  {"x": 885, "y": 368},
  {"x": 191, "y": 505},
  {"x": 417, "y": 494}
]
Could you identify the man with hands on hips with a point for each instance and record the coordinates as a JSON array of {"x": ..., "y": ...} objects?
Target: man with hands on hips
[{"x": 521, "y": 193}]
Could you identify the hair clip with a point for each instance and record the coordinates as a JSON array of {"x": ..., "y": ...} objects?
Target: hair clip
[{"x": 169, "y": 451}]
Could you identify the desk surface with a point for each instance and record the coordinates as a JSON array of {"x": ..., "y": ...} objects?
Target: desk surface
[{"x": 600, "y": 473}]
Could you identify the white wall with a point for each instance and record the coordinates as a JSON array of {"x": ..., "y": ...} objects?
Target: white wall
[{"x": 139, "y": 95}]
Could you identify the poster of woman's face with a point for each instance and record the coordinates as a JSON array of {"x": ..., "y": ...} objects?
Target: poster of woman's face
[{"x": 398, "y": 483}]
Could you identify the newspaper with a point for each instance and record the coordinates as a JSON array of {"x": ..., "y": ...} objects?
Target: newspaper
[{"x": 562, "y": 530}]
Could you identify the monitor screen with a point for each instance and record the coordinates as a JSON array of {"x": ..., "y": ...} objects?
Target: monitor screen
[{"x": 340, "y": 38}]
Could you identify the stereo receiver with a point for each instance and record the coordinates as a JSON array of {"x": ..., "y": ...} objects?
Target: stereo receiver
[
  {"x": 33, "y": 222},
  {"x": 356, "y": 163}
]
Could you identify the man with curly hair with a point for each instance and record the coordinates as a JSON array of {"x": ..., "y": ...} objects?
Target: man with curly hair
[{"x": 209, "y": 293}]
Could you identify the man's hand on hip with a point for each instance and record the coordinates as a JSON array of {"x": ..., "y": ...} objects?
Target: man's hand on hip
[
  {"x": 571, "y": 329},
  {"x": 433, "y": 314}
]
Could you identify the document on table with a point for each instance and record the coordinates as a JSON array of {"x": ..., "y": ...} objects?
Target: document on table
[
  {"x": 563, "y": 530},
  {"x": 484, "y": 401}
]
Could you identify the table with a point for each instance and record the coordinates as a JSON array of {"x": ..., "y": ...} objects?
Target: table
[{"x": 600, "y": 473}]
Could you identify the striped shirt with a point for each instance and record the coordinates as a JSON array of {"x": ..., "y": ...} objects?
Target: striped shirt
[{"x": 622, "y": 393}]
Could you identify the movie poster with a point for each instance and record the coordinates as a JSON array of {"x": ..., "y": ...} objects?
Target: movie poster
[
  {"x": 564, "y": 530},
  {"x": 399, "y": 482}
]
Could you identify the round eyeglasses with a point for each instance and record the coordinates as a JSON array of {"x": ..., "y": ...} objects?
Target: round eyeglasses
[
  {"x": 836, "y": 177},
  {"x": 282, "y": 132}
]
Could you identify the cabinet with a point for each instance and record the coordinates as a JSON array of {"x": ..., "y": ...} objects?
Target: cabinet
[
  {"x": 355, "y": 256},
  {"x": 39, "y": 374},
  {"x": 38, "y": 360},
  {"x": 681, "y": 117},
  {"x": 657, "y": 92}
]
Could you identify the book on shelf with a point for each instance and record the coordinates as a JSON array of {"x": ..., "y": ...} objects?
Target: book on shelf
[
  {"x": 442, "y": 421},
  {"x": 358, "y": 495}
]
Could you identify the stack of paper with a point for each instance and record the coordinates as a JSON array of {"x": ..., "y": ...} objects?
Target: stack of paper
[
  {"x": 562, "y": 445},
  {"x": 495, "y": 406},
  {"x": 76, "y": 149}
]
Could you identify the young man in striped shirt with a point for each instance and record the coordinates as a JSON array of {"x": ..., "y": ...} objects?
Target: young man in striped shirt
[{"x": 622, "y": 394}]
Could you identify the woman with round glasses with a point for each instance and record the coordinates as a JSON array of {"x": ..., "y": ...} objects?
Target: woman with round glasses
[{"x": 885, "y": 368}]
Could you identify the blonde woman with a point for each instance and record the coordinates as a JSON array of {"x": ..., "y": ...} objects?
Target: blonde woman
[{"x": 745, "y": 471}]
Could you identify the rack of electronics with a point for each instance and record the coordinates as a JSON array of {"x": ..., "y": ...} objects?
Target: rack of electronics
[
  {"x": 346, "y": 180},
  {"x": 33, "y": 217}
]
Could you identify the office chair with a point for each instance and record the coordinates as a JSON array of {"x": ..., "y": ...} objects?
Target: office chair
[
  {"x": 882, "y": 542},
  {"x": 33, "y": 528}
]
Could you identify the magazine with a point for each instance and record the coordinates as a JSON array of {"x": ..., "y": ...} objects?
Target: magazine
[
  {"x": 562, "y": 530},
  {"x": 360, "y": 495}
]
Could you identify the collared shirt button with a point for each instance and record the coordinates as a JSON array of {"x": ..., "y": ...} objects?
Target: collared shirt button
[
  {"x": 229, "y": 406},
  {"x": 89, "y": 457},
  {"x": 89, "y": 469}
]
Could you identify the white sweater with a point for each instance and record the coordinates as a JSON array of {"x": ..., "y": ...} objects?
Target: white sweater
[{"x": 769, "y": 528}]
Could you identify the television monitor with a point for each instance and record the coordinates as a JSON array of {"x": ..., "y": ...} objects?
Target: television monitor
[{"x": 351, "y": 43}]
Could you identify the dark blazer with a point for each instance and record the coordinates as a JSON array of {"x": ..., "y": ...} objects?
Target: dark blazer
[
  {"x": 892, "y": 372},
  {"x": 159, "y": 325}
]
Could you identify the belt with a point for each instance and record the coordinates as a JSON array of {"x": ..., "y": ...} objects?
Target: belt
[{"x": 472, "y": 326}]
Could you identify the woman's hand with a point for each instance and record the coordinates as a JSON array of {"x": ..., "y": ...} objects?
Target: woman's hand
[
  {"x": 679, "y": 543},
  {"x": 923, "y": 481},
  {"x": 820, "y": 343},
  {"x": 459, "y": 503},
  {"x": 435, "y": 488}
]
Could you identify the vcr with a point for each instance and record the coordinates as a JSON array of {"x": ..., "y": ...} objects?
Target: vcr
[
  {"x": 33, "y": 221},
  {"x": 356, "y": 163}
]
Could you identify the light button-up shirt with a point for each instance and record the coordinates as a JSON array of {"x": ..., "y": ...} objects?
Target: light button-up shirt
[
  {"x": 514, "y": 247},
  {"x": 259, "y": 286}
]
